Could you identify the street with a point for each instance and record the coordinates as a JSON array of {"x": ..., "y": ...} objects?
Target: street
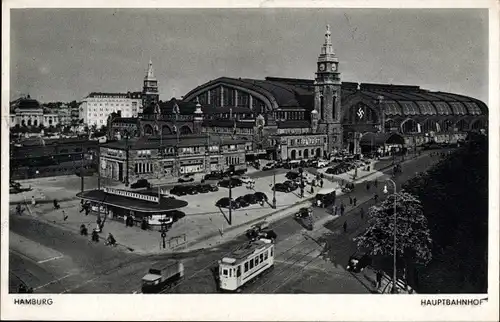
[{"x": 306, "y": 262}]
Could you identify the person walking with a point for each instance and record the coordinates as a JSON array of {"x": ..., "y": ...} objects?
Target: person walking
[
  {"x": 368, "y": 186},
  {"x": 362, "y": 213},
  {"x": 376, "y": 198},
  {"x": 354, "y": 201},
  {"x": 65, "y": 217},
  {"x": 350, "y": 200},
  {"x": 33, "y": 201},
  {"x": 342, "y": 209},
  {"x": 345, "y": 226},
  {"x": 379, "y": 279}
]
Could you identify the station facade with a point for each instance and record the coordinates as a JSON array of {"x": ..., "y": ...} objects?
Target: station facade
[{"x": 286, "y": 118}]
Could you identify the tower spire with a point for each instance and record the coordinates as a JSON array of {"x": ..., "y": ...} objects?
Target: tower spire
[
  {"x": 327, "y": 48},
  {"x": 150, "y": 72}
]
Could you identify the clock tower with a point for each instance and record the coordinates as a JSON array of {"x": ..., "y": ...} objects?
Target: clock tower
[
  {"x": 150, "y": 96},
  {"x": 327, "y": 94}
]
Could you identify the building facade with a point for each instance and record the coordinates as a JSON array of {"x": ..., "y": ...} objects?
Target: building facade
[
  {"x": 27, "y": 112},
  {"x": 96, "y": 107},
  {"x": 169, "y": 156}
]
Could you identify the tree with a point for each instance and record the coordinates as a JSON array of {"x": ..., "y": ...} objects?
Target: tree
[{"x": 413, "y": 239}]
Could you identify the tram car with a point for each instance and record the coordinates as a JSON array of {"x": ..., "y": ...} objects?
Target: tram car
[{"x": 245, "y": 265}]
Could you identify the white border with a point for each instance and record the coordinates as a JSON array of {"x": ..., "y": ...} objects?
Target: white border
[{"x": 263, "y": 307}]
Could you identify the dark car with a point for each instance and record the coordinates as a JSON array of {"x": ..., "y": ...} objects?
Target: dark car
[
  {"x": 291, "y": 184},
  {"x": 242, "y": 202},
  {"x": 250, "y": 198},
  {"x": 192, "y": 190},
  {"x": 175, "y": 214},
  {"x": 224, "y": 203},
  {"x": 214, "y": 176},
  {"x": 185, "y": 178},
  {"x": 291, "y": 175},
  {"x": 304, "y": 215},
  {"x": 282, "y": 187},
  {"x": 179, "y": 191},
  {"x": 358, "y": 262},
  {"x": 141, "y": 183},
  {"x": 233, "y": 182},
  {"x": 260, "y": 196},
  {"x": 203, "y": 188}
]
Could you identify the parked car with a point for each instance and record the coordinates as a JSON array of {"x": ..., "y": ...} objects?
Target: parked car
[
  {"x": 214, "y": 176},
  {"x": 234, "y": 182},
  {"x": 175, "y": 214},
  {"x": 304, "y": 216},
  {"x": 282, "y": 187},
  {"x": 291, "y": 184},
  {"x": 242, "y": 202},
  {"x": 358, "y": 262},
  {"x": 141, "y": 183},
  {"x": 269, "y": 166},
  {"x": 291, "y": 175},
  {"x": 260, "y": 196},
  {"x": 224, "y": 203},
  {"x": 203, "y": 188},
  {"x": 179, "y": 190},
  {"x": 321, "y": 164},
  {"x": 250, "y": 198},
  {"x": 261, "y": 230},
  {"x": 247, "y": 180},
  {"x": 185, "y": 178}
]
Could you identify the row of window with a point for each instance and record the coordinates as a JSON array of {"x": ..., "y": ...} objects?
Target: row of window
[
  {"x": 427, "y": 108},
  {"x": 254, "y": 262},
  {"x": 233, "y": 160},
  {"x": 288, "y": 115},
  {"x": 143, "y": 168},
  {"x": 306, "y": 141}
]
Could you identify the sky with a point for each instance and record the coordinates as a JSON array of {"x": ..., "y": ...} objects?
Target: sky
[{"x": 64, "y": 54}]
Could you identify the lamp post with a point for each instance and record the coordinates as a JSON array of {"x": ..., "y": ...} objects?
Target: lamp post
[
  {"x": 127, "y": 159},
  {"x": 274, "y": 190},
  {"x": 163, "y": 232},
  {"x": 231, "y": 172},
  {"x": 395, "y": 231},
  {"x": 81, "y": 171}
]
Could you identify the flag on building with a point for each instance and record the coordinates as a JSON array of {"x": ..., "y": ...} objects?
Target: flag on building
[
  {"x": 419, "y": 128},
  {"x": 438, "y": 127}
]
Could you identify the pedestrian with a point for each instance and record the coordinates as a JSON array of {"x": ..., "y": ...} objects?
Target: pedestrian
[
  {"x": 354, "y": 201},
  {"x": 368, "y": 186},
  {"x": 19, "y": 210},
  {"x": 350, "y": 200},
  {"x": 65, "y": 217},
  {"x": 33, "y": 201},
  {"x": 375, "y": 197},
  {"x": 345, "y": 226},
  {"x": 342, "y": 208},
  {"x": 321, "y": 183},
  {"x": 379, "y": 279},
  {"x": 362, "y": 212},
  {"x": 98, "y": 221}
]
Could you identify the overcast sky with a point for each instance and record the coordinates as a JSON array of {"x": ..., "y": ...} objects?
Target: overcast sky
[{"x": 64, "y": 54}]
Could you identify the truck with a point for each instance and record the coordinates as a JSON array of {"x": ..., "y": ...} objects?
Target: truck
[{"x": 160, "y": 277}]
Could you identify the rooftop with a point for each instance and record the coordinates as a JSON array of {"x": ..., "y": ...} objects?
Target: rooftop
[{"x": 165, "y": 204}]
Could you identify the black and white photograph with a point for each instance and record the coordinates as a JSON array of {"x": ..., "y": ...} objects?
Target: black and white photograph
[{"x": 153, "y": 152}]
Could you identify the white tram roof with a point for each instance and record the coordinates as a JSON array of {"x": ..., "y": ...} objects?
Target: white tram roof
[
  {"x": 326, "y": 191},
  {"x": 244, "y": 253}
]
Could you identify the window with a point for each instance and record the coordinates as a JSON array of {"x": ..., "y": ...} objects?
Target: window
[
  {"x": 442, "y": 108},
  {"x": 230, "y": 273},
  {"x": 261, "y": 257},
  {"x": 265, "y": 255},
  {"x": 257, "y": 260},
  {"x": 251, "y": 263},
  {"x": 224, "y": 272},
  {"x": 238, "y": 271},
  {"x": 272, "y": 251},
  {"x": 458, "y": 108}
]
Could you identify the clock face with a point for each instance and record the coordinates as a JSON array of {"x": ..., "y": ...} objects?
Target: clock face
[
  {"x": 334, "y": 67},
  {"x": 322, "y": 67}
]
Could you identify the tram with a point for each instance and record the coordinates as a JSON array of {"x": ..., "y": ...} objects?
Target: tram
[{"x": 245, "y": 265}]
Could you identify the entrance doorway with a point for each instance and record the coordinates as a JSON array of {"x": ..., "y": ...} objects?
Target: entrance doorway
[{"x": 120, "y": 171}]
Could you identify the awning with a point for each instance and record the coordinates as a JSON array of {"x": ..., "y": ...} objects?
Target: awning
[
  {"x": 379, "y": 139},
  {"x": 100, "y": 196}
]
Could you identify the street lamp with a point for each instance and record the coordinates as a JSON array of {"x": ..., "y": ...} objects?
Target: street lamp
[
  {"x": 274, "y": 189},
  {"x": 231, "y": 172},
  {"x": 127, "y": 161},
  {"x": 395, "y": 231}
]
